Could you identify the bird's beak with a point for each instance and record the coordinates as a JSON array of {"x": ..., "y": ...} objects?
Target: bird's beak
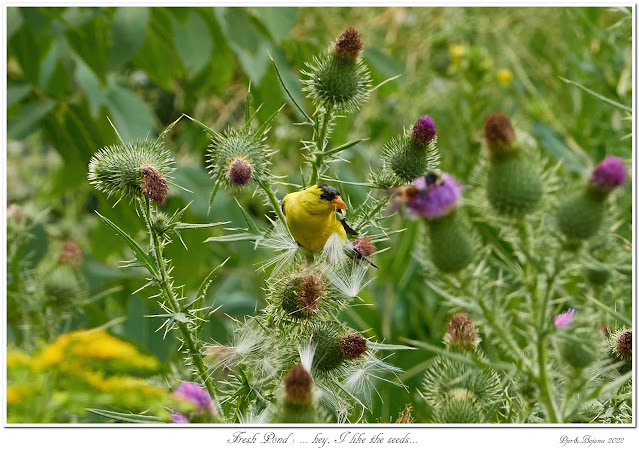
[{"x": 338, "y": 203}]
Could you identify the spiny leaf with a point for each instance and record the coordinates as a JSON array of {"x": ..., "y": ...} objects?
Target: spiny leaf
[
  {"x": 123, "y": 417},
  {"x": 128, "y": 240}
]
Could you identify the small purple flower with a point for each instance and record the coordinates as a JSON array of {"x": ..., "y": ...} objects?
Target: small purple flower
[
  {"x": 436, "y": 197},
  {"x": 179, "y": 418},
  {"x": 608, "y": 174},
  {"x": 563, "y": 320},
  {"x": 424, "y": 130},
  {"x": 193, "y": 393}
]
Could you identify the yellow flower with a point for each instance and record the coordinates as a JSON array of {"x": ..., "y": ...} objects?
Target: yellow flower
[
  {"x": 16, "y": 358},
  {"x": 15, "y": 394},
  {"x": 94, "y": 344},
  {"x": 504, "y": 76},
  {"x": 456, "y": 52}
]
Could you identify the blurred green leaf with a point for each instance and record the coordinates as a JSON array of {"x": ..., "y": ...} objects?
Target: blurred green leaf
[
  {"x": 157, "y": 55},
  {"x": 14, "y": 21},
  {"x": 193, "y": 42},
  {"x": 128, "y": 29},
  {"x": 247, "y": 42},
  {"x": 92, "y": 42},
  {"x": 278, "y": 20},
  {"x": 133, "y": 118},
  {"x": 26, "y": 121},
  {"x": 29, "y": 51},
  {"x": 556, "y": 146},
  {"x": 16, "y": 92}
]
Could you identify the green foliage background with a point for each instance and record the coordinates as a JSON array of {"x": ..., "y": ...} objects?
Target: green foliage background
[{"x": 70, "y": 68}]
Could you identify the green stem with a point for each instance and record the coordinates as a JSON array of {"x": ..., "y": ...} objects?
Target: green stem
[
  {"x": 320, "y": 146},
  {"x": 167, "y": 288},
  {"x": 275, "y": 203},
  {"x": 545, "y": 392}
]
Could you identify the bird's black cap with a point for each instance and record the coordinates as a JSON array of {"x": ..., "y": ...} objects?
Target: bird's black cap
[{"x": 328, "y": 192}]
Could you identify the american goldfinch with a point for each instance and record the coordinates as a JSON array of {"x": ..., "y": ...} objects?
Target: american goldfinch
[{"x": 312, "y": 217}]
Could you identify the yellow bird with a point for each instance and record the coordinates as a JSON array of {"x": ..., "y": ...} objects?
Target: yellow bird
[{"x": 312, "y": 217}]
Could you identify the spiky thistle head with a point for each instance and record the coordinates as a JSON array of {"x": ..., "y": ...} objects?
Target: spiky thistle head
[
  {"x": 239, "y": 157},
  {"x": 462, "y": 336},
  {"x": 619, "y": 347},
  {"x": 298, "y": 387},
  {"x": 133, "y": 169},
  {"x": 338, "y": 79},
  {"x": 411, "y": 154},
  {"x": 300, "y": 294},
  {"x": 608, "y": 174},
  {"x": 62, "y": 287},
  {"x": 334, "y": 346},
  {"x": 499, "y": 133}
]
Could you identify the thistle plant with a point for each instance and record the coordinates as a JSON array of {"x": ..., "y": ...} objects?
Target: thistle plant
[
  {"x": 556, "y": 365},
  {"x": 296, "y": 360}
]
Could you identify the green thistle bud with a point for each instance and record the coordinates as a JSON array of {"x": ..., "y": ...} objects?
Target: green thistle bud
[
  {"x": 514, "y": 187},
  {"x": 162, "y": 223},
  {"x": 460, "y": 408},
  {"x": 62, "y": 287},
  {"x": 577, "y": 346},
  {"x": 619, "y": 345},
  {"x": 132, "y": 169},
  {"x": 414, "y": 153},
  {"x": 333, "y": 347},
  {"x": 580, "y": 216},
  {"x": 451, "y": 248},
  {"x": 446, "y": 378},
  {"x": 339, "y": 78},
  {"x": 239, "y": 157},
  {"x": 301, "y": 293},
  {"x": 462, "y": 336}
]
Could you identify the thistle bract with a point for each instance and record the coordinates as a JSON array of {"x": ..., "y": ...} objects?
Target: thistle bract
[
  {"x": 576, "y": 347},
  {"x": 132, "y": 169},
  {"x": 514, "y": 187},
  {"x": 239, "y": 157},
  {"x": 339, "y": 79},
  {"x": 580, "y": 216}
]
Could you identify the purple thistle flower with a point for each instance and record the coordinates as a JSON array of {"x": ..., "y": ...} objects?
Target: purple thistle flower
[
  {"x": 608, "y": 174},
  {"x": 434, "y": 199},
  {"x": 179, "y": 418},
  {"x": 563, "y": 320},
  {"x": 424, "y": 130},
  {"x": 194, "y": 393}
]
